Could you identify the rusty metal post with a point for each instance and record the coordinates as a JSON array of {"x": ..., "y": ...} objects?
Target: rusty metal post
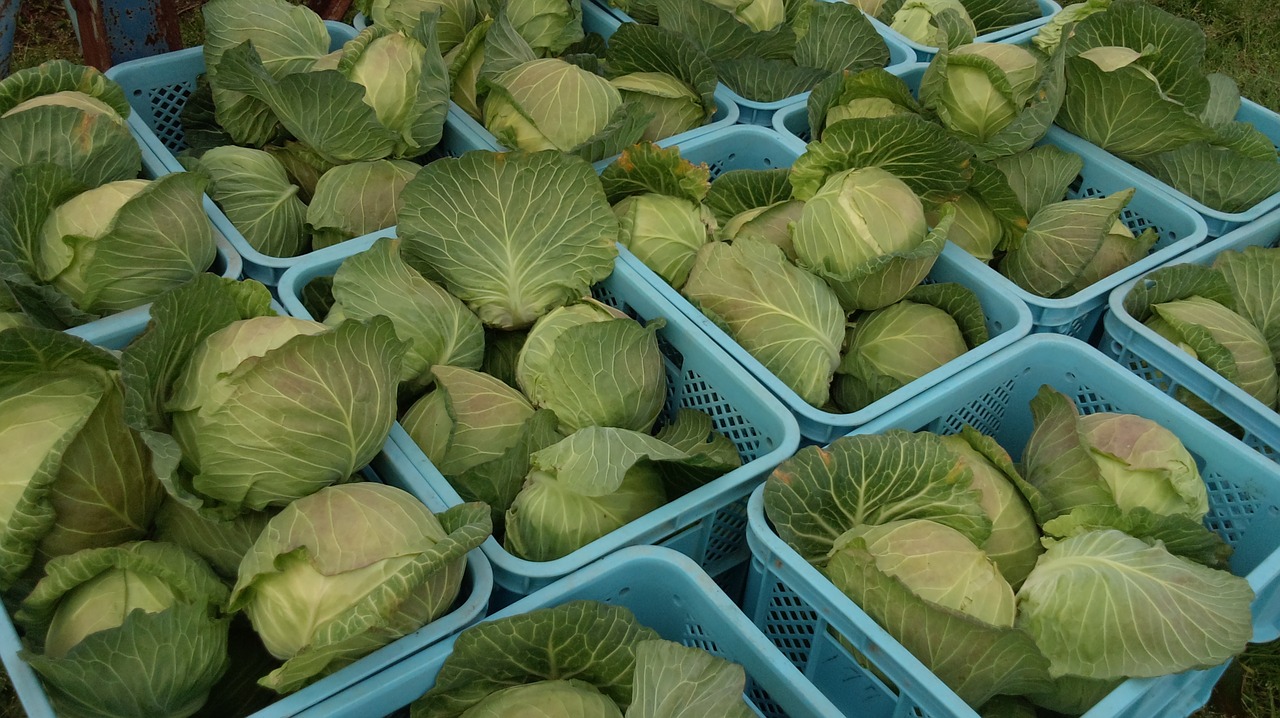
[{"x": 114, "y": 31}]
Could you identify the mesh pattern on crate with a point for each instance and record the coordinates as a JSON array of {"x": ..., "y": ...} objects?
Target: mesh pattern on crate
[
  {"x": 726, "y": 543},
  {"x": 986, "y": 413},
  {"x": 1231, "y": 508},
  {"x": 723, "y": 163},
  {"x": 167, "y": 102},
  {"x": 790, "y": 624}
]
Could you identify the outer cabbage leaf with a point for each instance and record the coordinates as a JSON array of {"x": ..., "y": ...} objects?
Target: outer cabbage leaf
[
  {"x": 675, "y": 681},
  {"x": 976, "y": 659},
  {"x": 513, "y": 235},
  {"x": 1225, "y": 341},
  {"x": 104, "y": 150},
  {"x": 1056, "y": 460},
  {"x": 1254, "y": 278},
  {"x": 721, "y": 35},
  {"x": 385, "y": 563},
  {"x": 160, "y": 662},
  {"x": 845, "y": 87},
  {"x": 819, "y": 494},
  {"x": 768, "y": 80},
  {"x": 438, "y": 327},
  {"x": 1227, "y": 173},
  {"x": 222, "y": 544},
  {"x": 1040, "y": 176},
  {"x": 637, "y": 48},
  {"x": 356, "y": 199},
  {"x": 253, "y": 189},
  {"x": 788, "y": 319},
  {"x": 585, "y": 486},
  {"x": 584, "y": 640},
  {"x": 837, "y": 37},
  {"x": 991, "y": 15},
  {"x": 936, "y": 166},
  {"x": 1060, "y": 242},
  {"x": 288, "y": 38},
  {"x": 1178, "y": 533},
  {"x": 1203, "y": 618},
  {"x": 647, "y": 168}
]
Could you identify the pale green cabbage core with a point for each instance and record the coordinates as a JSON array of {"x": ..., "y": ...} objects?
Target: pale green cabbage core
[
  {"x": 390, "y": 69},
  {"x": 69, "y": 231},
  {"x": 858, "y": 216},
  {"x": 289, "y": 605},
  {"x": 941, "y": 566},
  {"x": 907, "y": 340},
  {"x": 102, "y": 603},
  {"x": 865, "y": 107},
  {"x": 546, "y": 699},
  {"x": 1145, "y": 465}
]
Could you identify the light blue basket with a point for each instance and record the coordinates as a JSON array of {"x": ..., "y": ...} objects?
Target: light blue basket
[
  {"x": 667, "y": 592},
  {"x": 388, "y": 467},
  {"x": 1079, "y": 315},
  {"x": 706, "y": 524},
  {"x": 158, "y": 88},
  {"x": 595, "y": 19},
  {"x": 751, "y": 147},
  {"x": 1169, "y": 369},
  {"x": 795, "y": 605},
  {"x": 1217, "y": 222}
]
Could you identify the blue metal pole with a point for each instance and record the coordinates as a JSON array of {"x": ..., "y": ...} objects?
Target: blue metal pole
[
  {"x": 8, "y": 25},
  {"x": 115, "y": 31}
]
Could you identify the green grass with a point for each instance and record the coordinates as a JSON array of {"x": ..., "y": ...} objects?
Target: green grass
[{"x": 1243, "y": 42}]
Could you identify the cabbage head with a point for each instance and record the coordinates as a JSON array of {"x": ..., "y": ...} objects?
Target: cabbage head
[
  {"x": 485, "y": 225},
  {"x": 550, "y": 104},
  {"x": 976, "y": 228},
  {"x": 1204, "y": 619},
  {"x": 937, "y": 563},
  {"x": 1049, "y": 36},
  {"x": 594, "y": 482},
  {"x": 237, "y": 391},
  {"x": 355, "y": 199},
  {"x": 457, "y": 17},
  {"x": 102, "y": 621},
  {"x": 1072, "y": 244},
  {"x": 344, "y": 571},
  {"x": 548, "y": 662},
  {"x": 889, "y": 348},
  {"x": 759, "y": 15},
  {"x": 76, "y": 477},
  {"x": 1108, "y": 460},
  {"x": 1000, "y": 98},
  {"x": 1226, "y": 342},
  {"x": 664, "y": 232},
  {"x": 594, "y": 366},
  {"x": 1014, "y": 543},
  {"x": 40, "y": 107},
  {"x": 253, "y": 189},
  {"x": 771, "y": 223},
  {"x": 865, "y": 233},
  {"x": 675, "y": 106},
  {"x": 439, "y": 328},
  {"x": 786, "y": 318},
  {"x": 917, "y": 20},
  {"x": 895, "y": 522},
  {"x": 479, "y": 433},
  {"x": 549, "y": 26},
  {"x": 121, "y": 245}
]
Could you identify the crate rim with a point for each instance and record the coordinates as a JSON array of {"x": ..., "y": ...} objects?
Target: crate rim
[
  {"x": 841, "y": 612},
  {"x": 674, "y": 516}
]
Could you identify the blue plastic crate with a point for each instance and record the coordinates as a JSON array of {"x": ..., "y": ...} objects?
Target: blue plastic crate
[
  {"x": 795, "y": 605},
  {"x": 388, "y": 467},
  {"x": 706, "y": 524},
  {"x": 158, "y": 87},
  {"x": 1169, "y": 369},
  {"x": 751, "y": 147},
  {"x": 595, "y": 19},
  {"x": 1080, "y": 314},
  {"x": 667, "y": 592},
  {"x": 1218, "y": 222}
]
